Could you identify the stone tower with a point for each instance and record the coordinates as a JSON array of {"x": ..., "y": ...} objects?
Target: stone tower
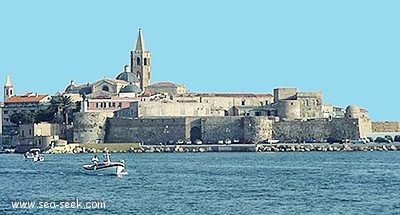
[
  {"x": 8, "y": 88},
  {"x": 140, "y": 62}
]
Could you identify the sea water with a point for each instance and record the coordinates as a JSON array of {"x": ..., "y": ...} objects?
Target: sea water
[{"x": 207, "y": 183}]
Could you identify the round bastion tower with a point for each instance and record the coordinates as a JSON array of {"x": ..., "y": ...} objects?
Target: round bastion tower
[
  {"x": 353, "y": 112},
  {"x": 289, "y": 109}
]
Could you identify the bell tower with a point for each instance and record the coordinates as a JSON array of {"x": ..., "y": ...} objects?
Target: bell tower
[
  {"x": 140, "y": 62},
  {"x": 8, "y": 88}
]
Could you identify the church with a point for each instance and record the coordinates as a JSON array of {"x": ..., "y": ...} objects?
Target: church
[{"x": 131, "y": 84}]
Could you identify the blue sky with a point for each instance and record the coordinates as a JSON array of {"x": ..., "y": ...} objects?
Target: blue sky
[{"x": 349, "y": 50}]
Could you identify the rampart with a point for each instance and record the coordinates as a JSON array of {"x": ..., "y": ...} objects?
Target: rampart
[
  {"x": 321, "y": 128},
  {"x": 97, "y": 128},
  {"x": 89, "y": 127},
  {"x": 386, "y": 126},
  {"x": 172, "y": 129}
]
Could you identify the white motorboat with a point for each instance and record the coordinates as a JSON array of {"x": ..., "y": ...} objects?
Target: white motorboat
[
  {"x": 6, "y": 150},
  {"x": 105, "y": 167},
  {"x": 34, "y": 155}
]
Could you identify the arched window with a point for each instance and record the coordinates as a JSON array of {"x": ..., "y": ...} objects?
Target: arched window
[
  {"x": 145, "y": 61},
  {"x": 138, "y": 61},
  {"x": 105, "y": 88}
]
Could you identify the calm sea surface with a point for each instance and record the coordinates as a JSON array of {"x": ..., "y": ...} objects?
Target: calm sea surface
[{"x": 210, "y": 183}]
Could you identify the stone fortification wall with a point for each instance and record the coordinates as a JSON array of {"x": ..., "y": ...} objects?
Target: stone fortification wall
[
  {"x": 319, "y": 129},
  {"x": 257, "y": 129},
  {"x": 172, "y": 129},
  {"x": 365, "y": 126},
  {"x": 221, "y": 128},
  {"x": 90, "y": 127},
  {"x": 386, "y": 126},
  {"x": 146, "y": 130}
]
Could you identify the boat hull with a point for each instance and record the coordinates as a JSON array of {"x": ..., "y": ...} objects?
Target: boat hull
[{"x": 105, "y": 168}]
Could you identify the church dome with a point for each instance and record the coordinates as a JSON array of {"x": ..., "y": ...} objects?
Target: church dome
[
  {"x": 131, "y": 88},
  {"x": 127, "y": 75},
  {"x": 353, "y": 111}
]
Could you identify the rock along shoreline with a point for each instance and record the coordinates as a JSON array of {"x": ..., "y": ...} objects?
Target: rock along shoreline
[{"x": 279, "y": 147}]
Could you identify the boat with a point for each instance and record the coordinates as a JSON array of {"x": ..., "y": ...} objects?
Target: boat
[
  {"x": 6, "y": 150},
  {"x": 34, "y": 155},
  {"x": 105, "y": 167}
]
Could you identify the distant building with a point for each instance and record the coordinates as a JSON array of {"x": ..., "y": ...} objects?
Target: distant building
[
  {"x": 166, "y": 88},
  {"x": 30, "y": 102},
  {"x": 37, "y": 135}
]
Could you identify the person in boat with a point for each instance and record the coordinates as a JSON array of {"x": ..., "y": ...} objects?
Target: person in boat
[
  {"x": 106, "y": 157},
  {"x": 36, "y": 154},
  {"x": 95, "y": 159},
  {"x": 26, "y": 155}
]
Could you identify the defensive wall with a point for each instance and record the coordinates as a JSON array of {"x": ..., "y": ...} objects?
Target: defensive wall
[
  {"x": 102, "y": 127},
  {"x": 322, "y": 128},
  {"x": 386, "y": 126},
  {"x": 207, "y": 129}
]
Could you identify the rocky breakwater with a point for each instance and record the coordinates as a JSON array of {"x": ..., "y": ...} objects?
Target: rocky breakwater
[
  {"x": 172, "y": 148},
  {"x": 324, "y": 147}
]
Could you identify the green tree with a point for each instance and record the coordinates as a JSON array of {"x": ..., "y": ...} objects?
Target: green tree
[
  {"x": 20, "y": 117},
  {"x": 62, "y": 107},
  {"x": 44, "y": 115}
]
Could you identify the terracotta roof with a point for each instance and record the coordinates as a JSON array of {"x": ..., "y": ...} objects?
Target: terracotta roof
[{"x": 27, "y": 98}]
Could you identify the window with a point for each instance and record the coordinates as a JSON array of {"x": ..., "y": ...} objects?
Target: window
[
  {"x": 105, "y": 88},
  {"x": 138, "y": 61},
  {"x": 243, "y": 102},
  {"x": 119, "y": 104},
  {"x": 145, "y": 61},
  {"x": 23, "y": 133},
  {"x": 30, "y": 132}
]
